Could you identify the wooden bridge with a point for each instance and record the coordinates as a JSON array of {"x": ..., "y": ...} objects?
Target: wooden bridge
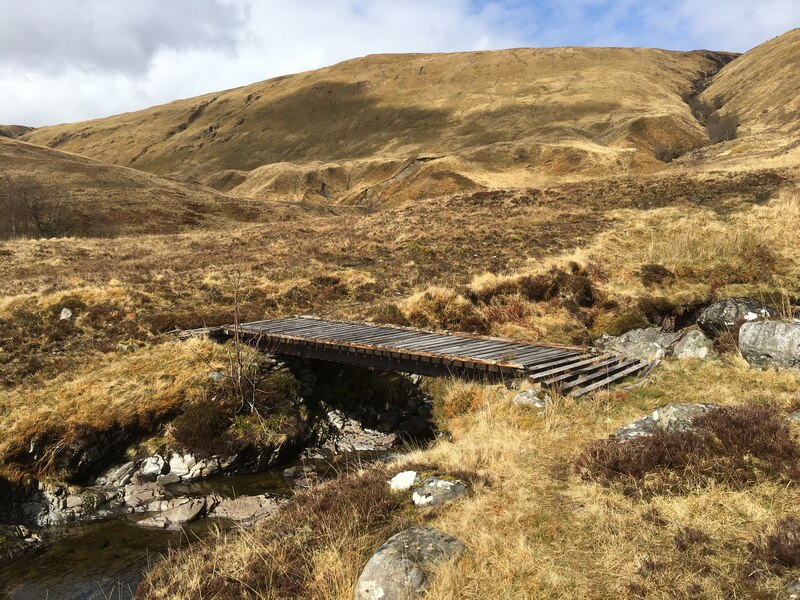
[{"x": 570, "y": 370}]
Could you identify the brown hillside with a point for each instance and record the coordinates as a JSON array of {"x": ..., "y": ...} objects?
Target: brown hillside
[
  {"x": 109, "y": 200},
  {"x": 14, "y": 131},
  {"x": 512, "y": 117},
  {"x": 763, "y": 86}
]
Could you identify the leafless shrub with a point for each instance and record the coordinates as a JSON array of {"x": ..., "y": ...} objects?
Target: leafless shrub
[
  {"x": 30, "y": 208},
  {"x": 722, "y": 128}
]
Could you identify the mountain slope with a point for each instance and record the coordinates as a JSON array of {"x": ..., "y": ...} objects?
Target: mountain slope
[
  {"x": 762, "y": 86},
  {"x": 501, "y": 118},
  {"x": 106, "y": 199}
]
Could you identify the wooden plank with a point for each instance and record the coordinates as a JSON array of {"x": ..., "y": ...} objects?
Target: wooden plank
[
  {"x": 544, "y": 371},
  {"x": 592, "y": 368},
  {"x": 603, "y": 372},
  {"x": 609, "y": 380}
]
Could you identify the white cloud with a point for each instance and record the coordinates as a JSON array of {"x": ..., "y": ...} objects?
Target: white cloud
[{"x": 66, "y": 61}]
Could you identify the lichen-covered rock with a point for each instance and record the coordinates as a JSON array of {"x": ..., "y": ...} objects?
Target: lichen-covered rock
[
  {"x": 535, "y": 398},
  {"x": 771, "y": 344},
  {"x": 671, "y": 417},
  {"x": 399, "y": 569},
  {"x": 435, "y": 491},
  {"x": 694, "y": 344},
  {"x": 644, "y": 344},
  {"x": 725, "y": 315}
]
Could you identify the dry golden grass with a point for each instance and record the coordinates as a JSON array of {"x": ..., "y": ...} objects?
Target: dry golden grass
[
  {"x": 536, "y": 529},
  {"x": 343, "y": 133},
  {"x": 134, "y": 391}
]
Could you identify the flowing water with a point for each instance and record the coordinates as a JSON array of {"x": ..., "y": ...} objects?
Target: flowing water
[{"x": 106, "y": 561}]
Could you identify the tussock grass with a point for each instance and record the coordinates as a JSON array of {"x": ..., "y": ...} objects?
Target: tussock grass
[{"x": 48, "y": 427}]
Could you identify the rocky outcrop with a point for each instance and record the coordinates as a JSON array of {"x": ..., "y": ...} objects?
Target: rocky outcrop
[
  {"x": 771, "y": 344},
  {"x": 672, "y": 417},
  {"x": 650, "y": 344},
  {"x": 727, "y": 314},
  {"x": 245, "y": 510},
  {"x": 435, "y": 491},
  {"x": 177, "y": 513},
  {"x": 400, "y": 568},
  {"x": 346, "y": 435},
  {"x": 16, "y": 541}
]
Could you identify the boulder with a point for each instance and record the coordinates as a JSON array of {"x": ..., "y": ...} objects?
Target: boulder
[
  {"x": 650, "y": 344},
  {"x": 725, "y": 315},
  {"x": 399, "y": 569},
  {"x": 671, "y": 417},
  {"x": 245, "y": 509},
  {"x": 694, "y": 344},
  {"x": 435, "y": 491},
  {"x": 178, "y": 512},
  {"x": 771, "y": 344}
]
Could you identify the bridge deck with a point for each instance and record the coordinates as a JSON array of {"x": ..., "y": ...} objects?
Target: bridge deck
[{"x": 570, "y": 369}]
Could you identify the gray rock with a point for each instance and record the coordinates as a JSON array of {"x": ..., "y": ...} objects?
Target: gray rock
[
  {"x": 118, "y": 476},
  {"x": 793, "y": 590},
  {"x": 435, "y": 491},
  {"x": 144, "y": 497},
  {"x": 650, "y": 344},
  {"x": 181, "y": 464},
  {"x": 771, "y": 344},
  {"x": 168, "y": 479},
  {"x": 348, "y": 435},
  {"x": 65, "y": 314},
  {"x": 178, "y": 512},
  {"x": 536, "y": 398},
  {"x": 245, "y": 509},
  {"x": 403, "y": 481},
  {"x": 399, "y": 569},
  {"x": 151, "y": 468},
  {"x": 724, "y": 315},
  {"x": 216, "y": 376},
  {"x": 671, "y": 417},
  {"x": 694, "y": 344}
]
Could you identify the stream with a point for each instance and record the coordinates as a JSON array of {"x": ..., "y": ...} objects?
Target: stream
[{"x": 107, "y": 561}]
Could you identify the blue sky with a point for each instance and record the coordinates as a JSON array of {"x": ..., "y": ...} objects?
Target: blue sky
[{"x": 68, "y": 61}]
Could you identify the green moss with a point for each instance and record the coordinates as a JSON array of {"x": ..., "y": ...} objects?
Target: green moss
[{"x": 617, "y": 323}]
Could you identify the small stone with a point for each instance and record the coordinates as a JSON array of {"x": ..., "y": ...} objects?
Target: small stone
[
  {"x": 400, "y": 568},
  {"x": 436, "y": 492},
  {"x": 65, "y": 314},
  {"x": 402, "y": 481},
  {"x": 793, "y": 590},
  {"x": 216, "y": 376}
]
